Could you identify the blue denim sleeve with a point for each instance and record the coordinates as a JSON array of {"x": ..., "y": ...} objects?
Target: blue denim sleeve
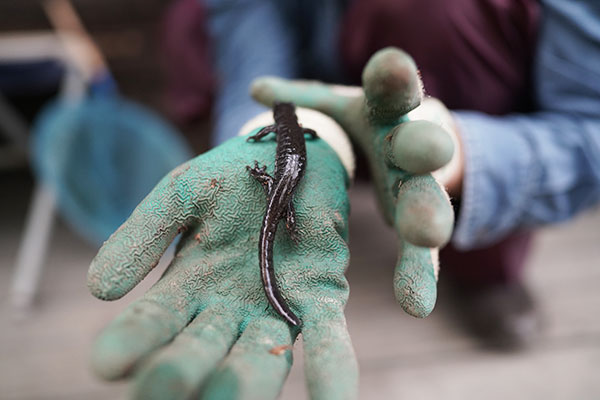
[
  {"x": 249, "y": 39},
  {"x": 531, "y": 169}
]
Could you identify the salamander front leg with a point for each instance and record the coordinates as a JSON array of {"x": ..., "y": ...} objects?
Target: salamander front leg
[
  {"x": 262, "y": 133},
  {"x": 261, "y": 175},
  {"x": 311, "y": 132}
]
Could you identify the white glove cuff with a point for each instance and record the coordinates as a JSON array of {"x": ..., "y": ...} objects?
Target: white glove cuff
[{"x": 326, "y": 128}]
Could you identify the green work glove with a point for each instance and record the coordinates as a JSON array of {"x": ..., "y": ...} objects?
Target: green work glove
[
  {"x": 205, "y": 329},
  {"x": 401, "y": 154}
]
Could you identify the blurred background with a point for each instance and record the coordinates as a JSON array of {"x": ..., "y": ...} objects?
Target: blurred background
[{"x": 49, "y": 320}]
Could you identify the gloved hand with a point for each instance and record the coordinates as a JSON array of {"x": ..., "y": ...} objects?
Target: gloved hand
[
  {"x": 205, "y": 328},
  {"x": 401, "y": 154}
]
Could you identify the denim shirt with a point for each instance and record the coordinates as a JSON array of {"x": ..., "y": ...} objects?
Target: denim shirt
[
  {"x": 521, "y": 170},
  {"x": 526, "y": 170},
  {"x": 253, "y": 38}
]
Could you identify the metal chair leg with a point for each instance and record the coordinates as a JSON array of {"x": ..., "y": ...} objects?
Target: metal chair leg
[{"x": 33, "y": 248}]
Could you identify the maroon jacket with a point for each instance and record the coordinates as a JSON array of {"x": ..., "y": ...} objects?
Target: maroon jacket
[{"x": 472, "y": 54}]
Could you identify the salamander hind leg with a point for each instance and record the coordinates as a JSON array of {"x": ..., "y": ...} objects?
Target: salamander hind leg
[
  {"x": 262, "y": 133},
  {"x": 261, "y": 175}
]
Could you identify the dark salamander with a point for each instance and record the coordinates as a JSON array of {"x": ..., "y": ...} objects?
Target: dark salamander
[{"x": 290, "y": 164}]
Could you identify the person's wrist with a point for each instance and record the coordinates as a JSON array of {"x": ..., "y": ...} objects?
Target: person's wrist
[
  {"x": 456, "y": 166},
  {"x": 451, "y": 175}
]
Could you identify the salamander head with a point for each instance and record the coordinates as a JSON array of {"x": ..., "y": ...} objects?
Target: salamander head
[{"x": 283, "y": 108}]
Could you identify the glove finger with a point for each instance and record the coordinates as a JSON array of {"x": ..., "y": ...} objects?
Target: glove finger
[
  {"x": 329, "y": 99},
  {"x": 330, "y": 368},
  {"x": 392, "y": 85},
  {"x": 143, "y": 326},
  {"x": 136, "y": 247},
  {"x": 415, "y": 279},
  {"x": 178, "y": 370},
  {"x": 257, "y": 365},
  {"x": 424, "y": 216},
  {"x": 419, "y": 147}
]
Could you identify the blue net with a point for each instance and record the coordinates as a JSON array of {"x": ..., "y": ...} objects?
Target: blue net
[{"x": 101, "y": 156}]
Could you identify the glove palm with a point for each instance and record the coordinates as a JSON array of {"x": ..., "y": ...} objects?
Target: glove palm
[{"x": 206, "y": 323}]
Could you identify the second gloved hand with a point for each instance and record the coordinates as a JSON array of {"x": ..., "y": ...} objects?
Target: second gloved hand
[{"x": 401, "y": 154}]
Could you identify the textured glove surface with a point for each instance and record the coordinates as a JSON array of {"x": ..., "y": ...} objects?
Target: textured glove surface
[{"x": 206, "y": 328}]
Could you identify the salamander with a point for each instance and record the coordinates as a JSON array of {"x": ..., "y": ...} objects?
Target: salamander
[{"x": 290, "y": 165}]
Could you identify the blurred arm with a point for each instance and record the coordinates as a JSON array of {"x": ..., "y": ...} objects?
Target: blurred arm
[
  {"x": 249, "y": 39},
  {"x": 528, "y": 170}
]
